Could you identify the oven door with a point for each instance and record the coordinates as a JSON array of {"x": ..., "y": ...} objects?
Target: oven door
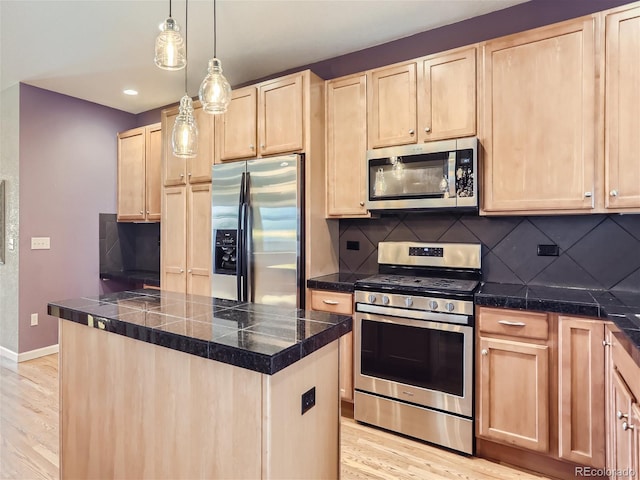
[{"x": 425, "y": 362}]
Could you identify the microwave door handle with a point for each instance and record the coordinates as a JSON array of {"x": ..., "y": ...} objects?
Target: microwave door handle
[{"x": 452, "y": 174}]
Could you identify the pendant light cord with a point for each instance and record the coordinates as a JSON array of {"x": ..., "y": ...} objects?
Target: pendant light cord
[
  {"x": 215, "y": 17},
  {"x": 186, "y": 42},
  {"x": 169, "y": 8}
]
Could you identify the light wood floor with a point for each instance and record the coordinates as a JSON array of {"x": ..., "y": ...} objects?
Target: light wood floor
[{"x": 29, "y": 438}]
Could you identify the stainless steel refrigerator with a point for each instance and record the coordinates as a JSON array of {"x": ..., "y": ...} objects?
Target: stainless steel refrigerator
[{"x": 258, "y": 226}]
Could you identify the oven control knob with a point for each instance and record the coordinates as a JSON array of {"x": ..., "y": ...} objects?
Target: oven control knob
[
  {"x": 433, "y": 305},
  {"x": 385, "y": 300},
  {"x": 449, "y": 307},
  {"x": 408, "y": 301},
  {"x": 372, "y": 298}
]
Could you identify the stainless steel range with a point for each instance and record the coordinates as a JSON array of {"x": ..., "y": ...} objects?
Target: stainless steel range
[{"x": 414, "y": 342}]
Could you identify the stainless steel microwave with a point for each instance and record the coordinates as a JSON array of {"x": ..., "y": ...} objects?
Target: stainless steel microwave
[{"x": 422, "y": 177}]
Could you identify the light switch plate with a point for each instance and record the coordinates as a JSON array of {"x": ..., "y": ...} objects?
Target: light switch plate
[{"x": 40, "y": 243}]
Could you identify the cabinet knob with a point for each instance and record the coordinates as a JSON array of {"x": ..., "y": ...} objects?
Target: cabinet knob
[
  {"x": 189, "y": 174},
  {"x": 189, "y": 271},
  {"x": 411, "y": 131},
  {"x": 252, "y": 146},
  {"x": 362, "y": 204},
  {"x": 182, "y": 175},
  {"x": 621, "y": 415},
  {"x": 262, "y": 145},
  {"x": 182, "y": 270},
  {"x": 587, "y": 194},
  {"x": 613, "y": 193},
  {"x": 626, "y": 426},
  {"x": 427, "y": 129},
  {"x": 605, "y": 343},
  {"x": 141, "y": 212},
  {"x": 484, "y": 352}
]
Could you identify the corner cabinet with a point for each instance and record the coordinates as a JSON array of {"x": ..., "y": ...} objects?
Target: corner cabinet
[
  {"x": 622, "y": 103},
  {"x": 540, "y": 381},
  {"x": 341, "y": 303},
  {"x": 539, "y": 119},
  {"x": 139, "y": 181},
  {"x": 346, "y": 146}
]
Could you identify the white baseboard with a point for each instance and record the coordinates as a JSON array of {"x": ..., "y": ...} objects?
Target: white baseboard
[{"x": 30, "y": 355}]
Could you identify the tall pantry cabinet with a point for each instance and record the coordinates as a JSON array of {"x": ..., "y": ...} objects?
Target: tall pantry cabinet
[{"x": 185, "y": 260}]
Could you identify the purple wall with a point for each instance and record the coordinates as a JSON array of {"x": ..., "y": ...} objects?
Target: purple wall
[
  {"x": 68, "y": 165},
  {"x": 518, "y": 18}
]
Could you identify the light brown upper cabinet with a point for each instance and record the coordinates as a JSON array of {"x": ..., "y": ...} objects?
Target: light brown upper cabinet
[
  {"x": 281, "y": 115},
  {"x": 346, "y": 146},
  {"x": 622, "y": 104},
  {"x": 236, "y": 130},
  {"x": 539, "y": 124},
  {"x": 447, "y": 96},
  {"x": 180, "y": 171},
  {"x": 139, "y": 167},
  {"x": 431, "y": 98}
]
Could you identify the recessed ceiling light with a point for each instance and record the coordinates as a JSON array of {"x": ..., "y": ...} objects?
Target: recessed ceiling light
[{"x": 129, "y": 91}]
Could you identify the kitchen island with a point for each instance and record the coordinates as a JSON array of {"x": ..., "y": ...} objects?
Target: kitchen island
[{"x": 156, "y": 384}]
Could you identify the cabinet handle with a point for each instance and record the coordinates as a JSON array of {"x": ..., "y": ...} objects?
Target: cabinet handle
[
  {"x": 427, "y": 129},
  {"x": 613, "y": 193},
  {"x": 182, "y": 270},
  {"x": 407, "y": 393},
  {"x": 141, "y": 212},
  {"x": 621, "y": 415},
  {"x": 626, "y": 426},
  {"x": 362, "y": 204},
  {"x": 252, "y": 146},
  {"x": 605, "y": 343},
  {"x": 330, "y": 302},
  {"x": 262, "y": 146},
  {"x": 484, "y": 352},
  {"x": 189, "y": 174},
  {"x": 147, "y": 212},
  {"x": 412, "y": 131},
  {"x": 512, "y": 324},
  {"x": 189, "y": 271},
  {"x": 587, "y": 194}
]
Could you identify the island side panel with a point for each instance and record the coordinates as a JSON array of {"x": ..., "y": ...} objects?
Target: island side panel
[
  {"x": 130, "y": 409},
  {"x": 296, "y": 445}
]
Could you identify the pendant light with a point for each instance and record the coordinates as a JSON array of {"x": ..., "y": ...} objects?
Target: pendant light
[
  {"x": 215, "y": 91},
  {"x": 184, "y": 136},
  {"x": 170, "y": 48}
]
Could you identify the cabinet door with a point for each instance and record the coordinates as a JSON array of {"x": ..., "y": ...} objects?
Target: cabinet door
[
  {"x": 199, "y": 238},
  {"x": 635, "y": 434},
  {"x": 514, "y": 393},
  {"x": 447, "y": 96},
  {"x": 581, "y": 391},
  {"x": 236, "y": 130},
  {"x": 622, "y": 99},
  {"x": 174, "y": 168},
  {"x": 346, "y": 146},
  {"x": 154, "y": 172},
  {"x": 392, "y": 106},
  {"x": 199, "y": 167},
  {"x": 539, "y": 119},
  {"x": 131, "y": 175},
  {"x": 174, "y": 239},
  {"x": 622, "y": 438},
  {"x": 281, "y": 115}
]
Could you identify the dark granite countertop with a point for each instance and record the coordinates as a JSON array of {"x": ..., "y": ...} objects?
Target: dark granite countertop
[
  {"x": 617, "y": 306},
  {"x": 337, "y": 282},
  {"x": 133, "y": 277},
  {"x": 262, "y": 338}
]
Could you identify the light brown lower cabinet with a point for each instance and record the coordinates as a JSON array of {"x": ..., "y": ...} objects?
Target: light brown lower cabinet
[
  {"x": 622, "y": 410},
  {"x": 540, "y": 381},
  {"x": 342, "y": 303}
]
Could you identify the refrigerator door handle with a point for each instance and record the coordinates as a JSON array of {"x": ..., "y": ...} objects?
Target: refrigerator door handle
[
  {"x": 246, "y": 281},
  {"x": 240, "y": 241}
]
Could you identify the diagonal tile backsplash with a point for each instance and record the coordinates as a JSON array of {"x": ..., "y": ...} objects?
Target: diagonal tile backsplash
[{"x": 596, "y": 251}]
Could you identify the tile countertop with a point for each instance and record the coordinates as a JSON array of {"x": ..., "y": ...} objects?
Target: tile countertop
[
  {"x": 337, "y": 282},
  {"x": 617, "y": 306},
  {"x": 262, "y": 338}
]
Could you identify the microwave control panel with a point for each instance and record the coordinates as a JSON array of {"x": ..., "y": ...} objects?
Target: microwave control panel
[{"x": 464, "y": 173}]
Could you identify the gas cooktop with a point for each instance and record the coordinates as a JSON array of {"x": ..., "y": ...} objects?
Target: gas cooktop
[{"x": 416, "y": 284}]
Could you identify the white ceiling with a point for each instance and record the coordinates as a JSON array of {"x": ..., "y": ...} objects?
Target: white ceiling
[{"x": 94, "y": 49}]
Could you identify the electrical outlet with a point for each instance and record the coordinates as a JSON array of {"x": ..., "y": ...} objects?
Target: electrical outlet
[
  {"x": 308, "y": 400},
  {"x": 548, "y": 250},
  {"x": 34, "y": 319},
  {"x": 353, "y": 245},
  {"x": 40, "y": 243}
]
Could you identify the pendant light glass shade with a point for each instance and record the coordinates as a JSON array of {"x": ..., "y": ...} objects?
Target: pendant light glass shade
[
  {"x": 215, "y": 91},
  {"x": 184, "y": 137},
  {"x": 170, "y": 47}
]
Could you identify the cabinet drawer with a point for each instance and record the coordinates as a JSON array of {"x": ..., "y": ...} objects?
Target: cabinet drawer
[
  {"x": 514, "y": 323},
  {"x": 333, "y": 302}
]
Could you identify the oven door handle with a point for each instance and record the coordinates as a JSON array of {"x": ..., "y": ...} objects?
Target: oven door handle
[{"x": 417, "y": 314}]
